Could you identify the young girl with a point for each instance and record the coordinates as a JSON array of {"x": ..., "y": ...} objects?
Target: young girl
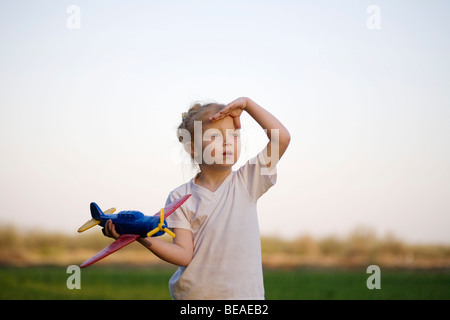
[{"x": 217, "y": 245}]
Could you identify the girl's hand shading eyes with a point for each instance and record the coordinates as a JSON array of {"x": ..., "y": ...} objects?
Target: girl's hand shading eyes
[{"x": 234, "y": 110}]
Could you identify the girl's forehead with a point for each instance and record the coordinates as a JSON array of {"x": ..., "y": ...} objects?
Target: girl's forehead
[{"x": 225, "y": 123}]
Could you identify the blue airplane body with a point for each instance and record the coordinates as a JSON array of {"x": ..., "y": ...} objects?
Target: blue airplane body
[{"x": 128, "y": 222}]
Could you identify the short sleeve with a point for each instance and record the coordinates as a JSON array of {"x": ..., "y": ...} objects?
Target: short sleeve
[
  {"x": 256, "y": 177},
  {"x": 179, "y": 218}
]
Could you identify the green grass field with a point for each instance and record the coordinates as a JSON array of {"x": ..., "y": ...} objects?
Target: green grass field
[{"x": 152, "y": 283}]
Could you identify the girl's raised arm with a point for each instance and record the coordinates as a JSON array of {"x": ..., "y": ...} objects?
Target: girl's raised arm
[{"x": 277, "y": 133}]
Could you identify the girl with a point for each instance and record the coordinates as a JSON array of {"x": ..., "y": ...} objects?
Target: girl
[{"x": 217, "y": 245}]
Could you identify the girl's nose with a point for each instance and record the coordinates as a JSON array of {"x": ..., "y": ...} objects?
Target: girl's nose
[{"x": 228, "y": 141}]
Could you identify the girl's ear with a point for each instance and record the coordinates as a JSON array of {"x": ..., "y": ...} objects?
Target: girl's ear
[{"x": 187, "y": 146}]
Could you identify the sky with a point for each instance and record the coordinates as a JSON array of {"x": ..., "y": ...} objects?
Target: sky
[{"x": 92, "y": 93}]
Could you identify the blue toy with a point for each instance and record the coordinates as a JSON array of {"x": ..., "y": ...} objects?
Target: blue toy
[{"x": 131, "y": 225}]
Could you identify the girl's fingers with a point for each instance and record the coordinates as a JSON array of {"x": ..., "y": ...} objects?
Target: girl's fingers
[
  {"x": 114, "y": 234},
  {"x": 217, "y": 116},
  {"x": 222, "y": 113},
  {"x": 110, "y": 230},
  {"x": 233, "y": 109},
  {"x": 239, "y": 103}
]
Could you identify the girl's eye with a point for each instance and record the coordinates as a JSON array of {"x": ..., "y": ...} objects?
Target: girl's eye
[{"x": 214, "y": 135}]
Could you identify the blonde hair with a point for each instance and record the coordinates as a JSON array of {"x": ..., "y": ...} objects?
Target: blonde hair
[{"x": 198, "y": 112}]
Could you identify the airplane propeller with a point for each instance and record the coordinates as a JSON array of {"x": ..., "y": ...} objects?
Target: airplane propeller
[{"x": 161, "y": 227}]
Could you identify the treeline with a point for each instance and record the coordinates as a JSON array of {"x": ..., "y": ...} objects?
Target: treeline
[{"x": 361, "y": 247}]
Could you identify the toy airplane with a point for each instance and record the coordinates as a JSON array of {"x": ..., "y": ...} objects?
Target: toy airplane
[{"x": 131, "y": 225}]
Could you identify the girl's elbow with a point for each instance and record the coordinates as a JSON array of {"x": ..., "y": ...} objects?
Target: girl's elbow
[
  {"x": 285, "y": 139},
  {"x": 186, "y": 260}
]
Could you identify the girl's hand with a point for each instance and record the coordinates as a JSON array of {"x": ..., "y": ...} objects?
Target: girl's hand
[
  {"x": 234, "y": 110},
  {"x": 110, "y": 230}
]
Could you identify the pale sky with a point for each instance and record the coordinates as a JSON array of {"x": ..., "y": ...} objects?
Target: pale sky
[{"x": 88, "y": 111}]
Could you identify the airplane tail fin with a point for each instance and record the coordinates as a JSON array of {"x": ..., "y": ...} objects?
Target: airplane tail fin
[{"x": 96, "y": 212}]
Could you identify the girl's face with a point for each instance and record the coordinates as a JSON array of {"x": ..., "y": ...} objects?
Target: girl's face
[{"x": 221, "y": 143}]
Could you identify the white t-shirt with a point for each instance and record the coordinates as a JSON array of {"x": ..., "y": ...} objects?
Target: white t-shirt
[{"x": 227, "y": 246}]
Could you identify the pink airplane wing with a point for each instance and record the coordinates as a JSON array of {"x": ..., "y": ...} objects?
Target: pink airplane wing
[
  {"x": 174, "y": 205},
  {"x": 121, "y": 242}
]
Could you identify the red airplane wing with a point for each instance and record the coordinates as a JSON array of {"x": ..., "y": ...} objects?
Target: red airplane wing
[
  {"x": 121, "y": 242},
  {"x": 173, "y": 206}
]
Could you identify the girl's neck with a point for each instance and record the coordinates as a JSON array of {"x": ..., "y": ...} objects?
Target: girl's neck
[{"x": 211, "y": 179}]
